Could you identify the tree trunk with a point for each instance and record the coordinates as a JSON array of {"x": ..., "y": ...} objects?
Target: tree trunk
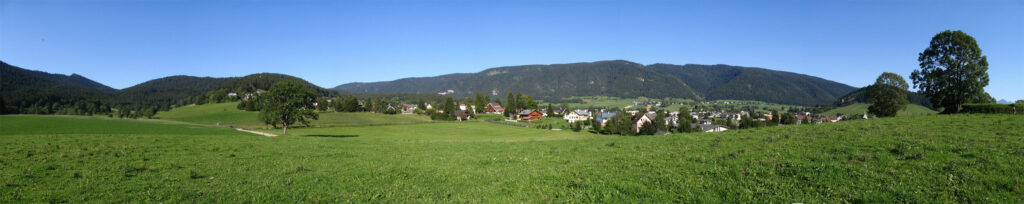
[{"x": 285, "y": 128}]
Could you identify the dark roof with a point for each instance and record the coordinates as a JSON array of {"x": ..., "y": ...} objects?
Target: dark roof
[{"x": 526, "y": 112}]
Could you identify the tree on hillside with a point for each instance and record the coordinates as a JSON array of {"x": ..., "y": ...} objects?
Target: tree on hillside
[
  {"x": 787, "y": 118},
  {"x": 888, "y": 95},
  {"x": 659, "y": 121},
  {"x": 288, "y": 103},
  {"x": 511, "y": 109},
  {"x": 595, "y": 125},
  {"x": 551, "y": 110},
  {"x": 621, "y": 124},
  {"x": 953, "y": 71}
]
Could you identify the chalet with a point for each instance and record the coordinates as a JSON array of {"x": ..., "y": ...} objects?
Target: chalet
[
  {"x": 462, "y": 106},
  {"x": 604, "y": 117},
  {"x": 462, "y": 115},
  {"x": 577, "y": 115},
  {"x": 408, "y": 108},
  {"x": 494, "y": 108},
  {"x": 639, "y": 120},
  {"x": 530, "y": 114},
  {"x": 428, "y": 106}
]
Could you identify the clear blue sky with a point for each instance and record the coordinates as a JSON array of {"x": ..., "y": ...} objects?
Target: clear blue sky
[{"x": 123, "y": 43}]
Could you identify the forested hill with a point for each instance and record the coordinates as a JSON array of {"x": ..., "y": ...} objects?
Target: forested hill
[
  {"x": 607, "y": 78},
  {"x": 28, "y": 91},
  {"x": 19, "y": 73},
  {"x": 716, "y": 82},
  {"x": 263, "y": 81},
  {"x": 626, "y": 79},
  {"x": 172, "y": 90}
]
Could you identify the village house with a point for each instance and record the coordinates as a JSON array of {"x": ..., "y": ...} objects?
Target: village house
[
  {"x": 408, "y": 108},
  {"x": 577, "y": 115},
  {"x": 603, "y": 118},
  {"x": 494, "y": 108},
  {"x": 462, "y": 106},
  {"x": 530, "y": 114},
  {"x": 639, "y": 120}
]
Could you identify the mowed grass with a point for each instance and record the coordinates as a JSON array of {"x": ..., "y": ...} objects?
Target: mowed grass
[
  {"x": 861, "y": 108},
  {"x": 940, "y": 158},
  {"x": 228, "y": 115}
]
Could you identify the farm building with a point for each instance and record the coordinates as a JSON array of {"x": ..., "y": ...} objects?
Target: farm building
[{"x": 530, "y": 114}]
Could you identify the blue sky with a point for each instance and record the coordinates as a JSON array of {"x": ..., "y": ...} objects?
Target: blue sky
[{"x": 123, "y": 43}]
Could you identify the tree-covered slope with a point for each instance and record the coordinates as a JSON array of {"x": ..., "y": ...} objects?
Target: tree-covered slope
[
  {"x": 263, "y": 81},
  {"x": 717, "y": 82},
  {"x": 170, "y": 90},
  {"x": 626, "y": 79},
  {"x": 612, "y": 78},
  {"x": 21, "y": 89}
]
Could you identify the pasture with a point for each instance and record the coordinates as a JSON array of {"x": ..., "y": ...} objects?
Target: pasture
[
  {"x": 938, "y": 158},
  {"x": 228, "y": 115},
  {"x": 861, "y": 108}
]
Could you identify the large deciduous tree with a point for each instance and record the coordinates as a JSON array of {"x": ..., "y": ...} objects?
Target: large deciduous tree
[
  {"x": 288, "y": 103},
  {"x": 953, "y": 71},
  {"x": 888, "y": 95}
]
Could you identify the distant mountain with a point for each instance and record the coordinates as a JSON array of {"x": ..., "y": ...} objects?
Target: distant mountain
[
  {"x": 28, "y": 91},
  {"x": 625, "y": 79},
  {"x": 22, "y": 88},
  {"x": 170, "y": 90},
  {"x": 1003, "y": 101},
  {"x": 263, "y": 81},
  {"x": 716, "y": 82},
  {"x": 611, "y": 78},
  {"x": 860, "y": 96}
]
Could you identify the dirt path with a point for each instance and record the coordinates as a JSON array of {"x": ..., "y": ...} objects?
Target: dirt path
[{"x": 256, "y": 132}]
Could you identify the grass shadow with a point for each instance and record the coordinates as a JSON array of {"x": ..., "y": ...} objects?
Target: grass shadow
[{"x": 335, "y": 136}]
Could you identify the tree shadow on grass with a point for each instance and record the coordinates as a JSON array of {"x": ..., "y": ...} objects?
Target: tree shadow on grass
[{"x": 334, "y": 136}]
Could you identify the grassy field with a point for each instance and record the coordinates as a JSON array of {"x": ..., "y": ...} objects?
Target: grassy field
[
  {"x": 938, "y": 158},
  {"x": 228, "y": 115},
  {"x": 861, "y": 108}
]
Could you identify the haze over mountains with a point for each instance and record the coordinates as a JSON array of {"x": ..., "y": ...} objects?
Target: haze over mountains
[
  {"x": 625, "y": 79},
  {"x": 616, "y": 78}
]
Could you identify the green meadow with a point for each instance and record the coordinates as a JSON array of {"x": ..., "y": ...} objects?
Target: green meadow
[
  {"x": 861, "y": 108},
  {"x": 228, "y": 115},
  {"x": 914, "y": 159}
]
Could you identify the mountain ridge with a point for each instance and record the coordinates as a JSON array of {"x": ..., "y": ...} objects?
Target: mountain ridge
[{"x": 701, "y": 82}]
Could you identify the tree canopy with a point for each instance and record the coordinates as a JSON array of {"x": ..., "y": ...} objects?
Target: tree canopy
[
  {"x": 953, "y": 71},
  {"x": 288, "y": 103},
  {"x": 888, "y": 95}
]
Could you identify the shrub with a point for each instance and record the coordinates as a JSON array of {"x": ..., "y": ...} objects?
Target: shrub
[{"x": 989, "y": 108}]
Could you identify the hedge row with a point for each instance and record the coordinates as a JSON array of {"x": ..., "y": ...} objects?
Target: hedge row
[{"x": 989, "y": 108}]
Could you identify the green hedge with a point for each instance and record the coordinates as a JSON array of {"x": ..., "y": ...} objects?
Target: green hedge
[{"x": 990, "y": 108}]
